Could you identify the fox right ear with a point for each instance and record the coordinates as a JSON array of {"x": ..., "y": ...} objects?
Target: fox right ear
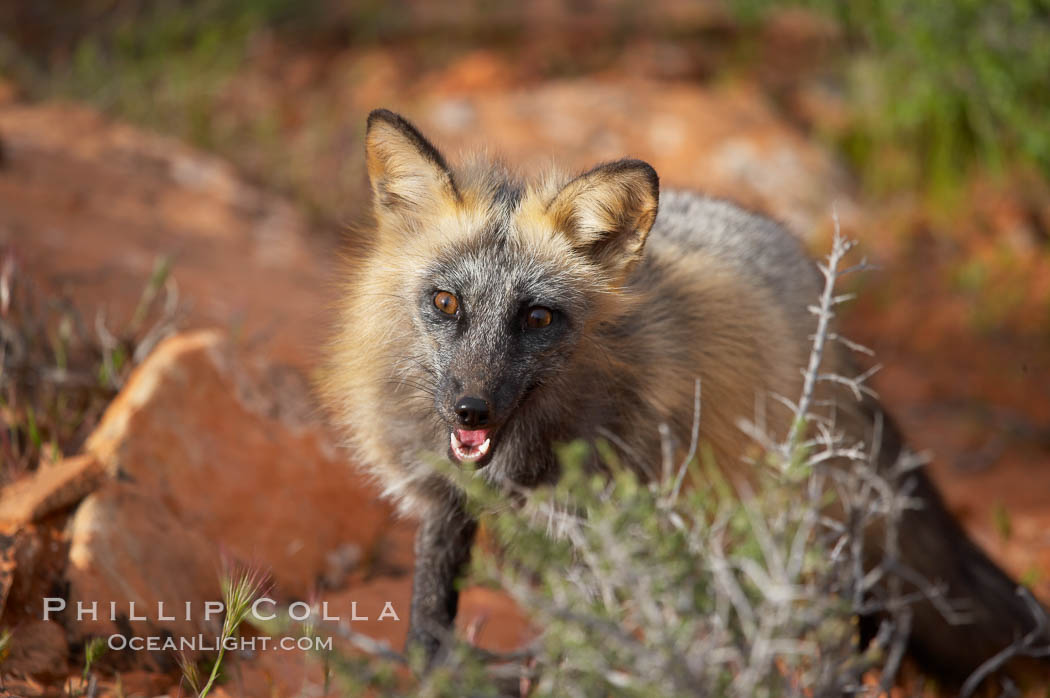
[
  {"x": 408, "y": 174},
  {"x": 607, "y": 212}
]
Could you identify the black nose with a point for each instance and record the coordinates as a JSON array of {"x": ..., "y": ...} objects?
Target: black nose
[{"x": 472, "y": 411}]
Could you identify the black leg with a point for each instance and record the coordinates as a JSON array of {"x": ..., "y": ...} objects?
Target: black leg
[{"x": 443, "y": 546}]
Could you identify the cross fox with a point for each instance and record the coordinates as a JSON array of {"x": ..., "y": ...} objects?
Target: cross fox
[{"x": 489, "y": 317}]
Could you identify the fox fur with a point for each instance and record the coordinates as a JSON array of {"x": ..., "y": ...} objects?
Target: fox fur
[{"x": 647, "y": 292}]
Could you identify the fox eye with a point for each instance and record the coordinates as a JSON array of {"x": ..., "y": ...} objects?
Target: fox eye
[
  {"x": 446, "y": 302},
  {"x": 538, "y": 317}
]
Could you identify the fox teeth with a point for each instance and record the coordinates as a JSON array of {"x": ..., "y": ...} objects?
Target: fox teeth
[{"x": 467, "y": 453}]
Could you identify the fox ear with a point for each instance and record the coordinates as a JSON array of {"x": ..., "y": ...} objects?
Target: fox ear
[
  {"x": 408, "y": 174},
  {"x": 607, "y": 212}
]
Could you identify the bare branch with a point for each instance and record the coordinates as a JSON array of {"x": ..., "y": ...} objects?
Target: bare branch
[{"x": 1023, "y": 647}]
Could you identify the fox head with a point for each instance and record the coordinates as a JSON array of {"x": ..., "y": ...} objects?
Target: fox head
[{"x": 486, "y": 288}]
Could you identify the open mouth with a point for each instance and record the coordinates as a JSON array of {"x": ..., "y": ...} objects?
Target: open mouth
[{"x": 471, "y": 445}]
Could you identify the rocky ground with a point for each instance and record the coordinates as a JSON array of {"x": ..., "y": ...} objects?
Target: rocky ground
[{"x": 214, "y": 447}]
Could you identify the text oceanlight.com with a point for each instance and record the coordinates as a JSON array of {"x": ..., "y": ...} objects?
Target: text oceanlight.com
[{"x": 211, "y": 643}]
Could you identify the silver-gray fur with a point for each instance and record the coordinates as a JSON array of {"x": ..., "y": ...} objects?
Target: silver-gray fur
[{"x": 634, "y": 306}]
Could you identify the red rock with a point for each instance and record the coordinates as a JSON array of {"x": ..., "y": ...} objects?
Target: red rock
[
  {"x": 19, "y": 553},
  {"x": 499, "y": 625},
  {"x": 131, "y": 683},
  {"x": 77, "y": 186},
  {"x": 237, "y": 455},
  {"x": 48, "y": 489},
  {"x": 8, "y": 92},
  {"x": 127, "y": 546},
  {"x": 38, "y": 649}
]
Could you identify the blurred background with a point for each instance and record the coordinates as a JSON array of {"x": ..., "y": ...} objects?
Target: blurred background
[{"x": 174, "y": 164}]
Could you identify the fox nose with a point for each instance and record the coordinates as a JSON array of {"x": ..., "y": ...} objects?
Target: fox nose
[{"x": 472, "y": 411}]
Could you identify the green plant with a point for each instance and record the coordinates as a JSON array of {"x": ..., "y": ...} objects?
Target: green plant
[
  {"x": 57, "y": 373},
  {"x": 241, "y": 586},
  {"x": 5, "y": 644},
  {"x": 946, "y": 85},
  {"x": 93, "y": 651}
]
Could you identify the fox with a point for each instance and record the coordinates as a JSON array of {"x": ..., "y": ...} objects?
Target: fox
[{"x": 487, "y": 316}]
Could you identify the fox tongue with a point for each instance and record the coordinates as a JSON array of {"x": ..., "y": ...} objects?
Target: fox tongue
[{"x": 472, "y": 438}]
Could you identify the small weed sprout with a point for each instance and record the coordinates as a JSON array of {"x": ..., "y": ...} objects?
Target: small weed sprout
[
  {"x": 191, "y": 673},
  {"x": 93, "y": 651},
  {"x": 5, "y": 650},
  {"x": 241, "y": 586}
]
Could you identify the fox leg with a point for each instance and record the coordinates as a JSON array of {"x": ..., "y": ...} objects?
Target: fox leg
[{"x": 442, "y": 549}]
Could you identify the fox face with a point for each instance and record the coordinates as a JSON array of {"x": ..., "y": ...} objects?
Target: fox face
[
  {"x": 486, "y": 288},
  {"x": 496, "y": 330}
]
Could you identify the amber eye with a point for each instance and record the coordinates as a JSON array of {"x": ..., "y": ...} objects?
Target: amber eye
[
  {"x": 446, "y": 302},
  {"x": 538, "y": 317}
]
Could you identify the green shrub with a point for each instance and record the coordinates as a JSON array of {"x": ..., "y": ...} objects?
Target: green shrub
[{"x": 951, "y": 84}]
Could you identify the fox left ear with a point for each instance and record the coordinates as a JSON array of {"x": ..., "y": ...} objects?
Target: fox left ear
[
  {"x": 608, "y": 211},
  {"x": 408, "y": 174}
]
